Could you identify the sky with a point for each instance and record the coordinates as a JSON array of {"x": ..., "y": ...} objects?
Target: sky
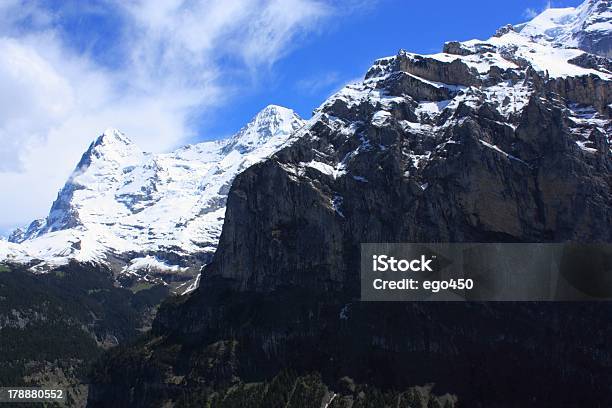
[{"x": 172, "y": 72}]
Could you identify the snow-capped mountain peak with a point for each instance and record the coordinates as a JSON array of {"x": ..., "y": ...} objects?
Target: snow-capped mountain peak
[
  {"x": 125, "y": 208},
  {"x": 271, "y": 122},
  {"x": 113, "y": 136},
  {"x": 588, "y": 26},
  {"x": 110, "y": 146}
]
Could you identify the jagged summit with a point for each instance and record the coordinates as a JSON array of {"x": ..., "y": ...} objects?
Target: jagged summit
[
  {"x": 113, "y": 146},
  {"x": 112, "y": 136},
  {"x": 273, "y": 109},
  {"x": 112, "y": 141},
  {"x": 135, "y": 211},
  {"x": 588, "y": 27},
  {"x": 270, "y": 122}
]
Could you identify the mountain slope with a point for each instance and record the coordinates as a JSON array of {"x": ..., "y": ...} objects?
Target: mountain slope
[
  {"x": 138, "y": 212},
  {"x": 587, "y": 27},
  {"x": 502, "y": 140},
  {"x": 53, "y": 326}
]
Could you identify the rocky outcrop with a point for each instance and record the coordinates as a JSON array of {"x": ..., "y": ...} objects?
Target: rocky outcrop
[
  {"x": 454, "y": 73},
  {"x": 456, "y": 48},
  {"x": 503, "y": 30},
  {"x": 16, "y": 236},
  {"x": 19, "y": 235},
  {"x": 588, "y": 90},
  {"x": 403, "y": 84},
  {"x": 591, "y": 61},
  {"x": 597, "y": 41},
  {"x": 596, "y": 44}
]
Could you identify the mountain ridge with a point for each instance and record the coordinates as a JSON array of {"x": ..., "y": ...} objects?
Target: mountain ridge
[
  {"x": 133, "y": 211},
  {"x": 583, "y": 27}
]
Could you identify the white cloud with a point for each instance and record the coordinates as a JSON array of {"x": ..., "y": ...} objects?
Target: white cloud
[
  {"x": 56, "y": 96},
  {"x": 272, "y": 29},
  {"x": 316, "y": 83},
  {"x": 531, "y": 12}
]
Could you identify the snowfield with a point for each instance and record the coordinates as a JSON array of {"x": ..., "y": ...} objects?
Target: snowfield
[{"x": 146, "y": 211}]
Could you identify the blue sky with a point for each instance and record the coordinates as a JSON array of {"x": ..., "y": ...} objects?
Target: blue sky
[
  {"x": 171, "y": 72},
  {"x": 345, "y": 50},
  {"x": 338, "y": 50}
]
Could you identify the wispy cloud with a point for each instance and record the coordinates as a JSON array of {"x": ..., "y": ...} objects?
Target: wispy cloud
[
  {"x": 146, "y": 67},
  {"x": 317, "y": 83},
  {"x": 531, "y": 12}
]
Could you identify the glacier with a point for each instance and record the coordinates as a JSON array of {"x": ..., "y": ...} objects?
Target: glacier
[{"x": 155, "y": 217}]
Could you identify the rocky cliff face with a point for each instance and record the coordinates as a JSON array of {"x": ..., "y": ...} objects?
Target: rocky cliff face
[
  {"x": 436, "y": 148},
  {"x": 504, "y": 140}
]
